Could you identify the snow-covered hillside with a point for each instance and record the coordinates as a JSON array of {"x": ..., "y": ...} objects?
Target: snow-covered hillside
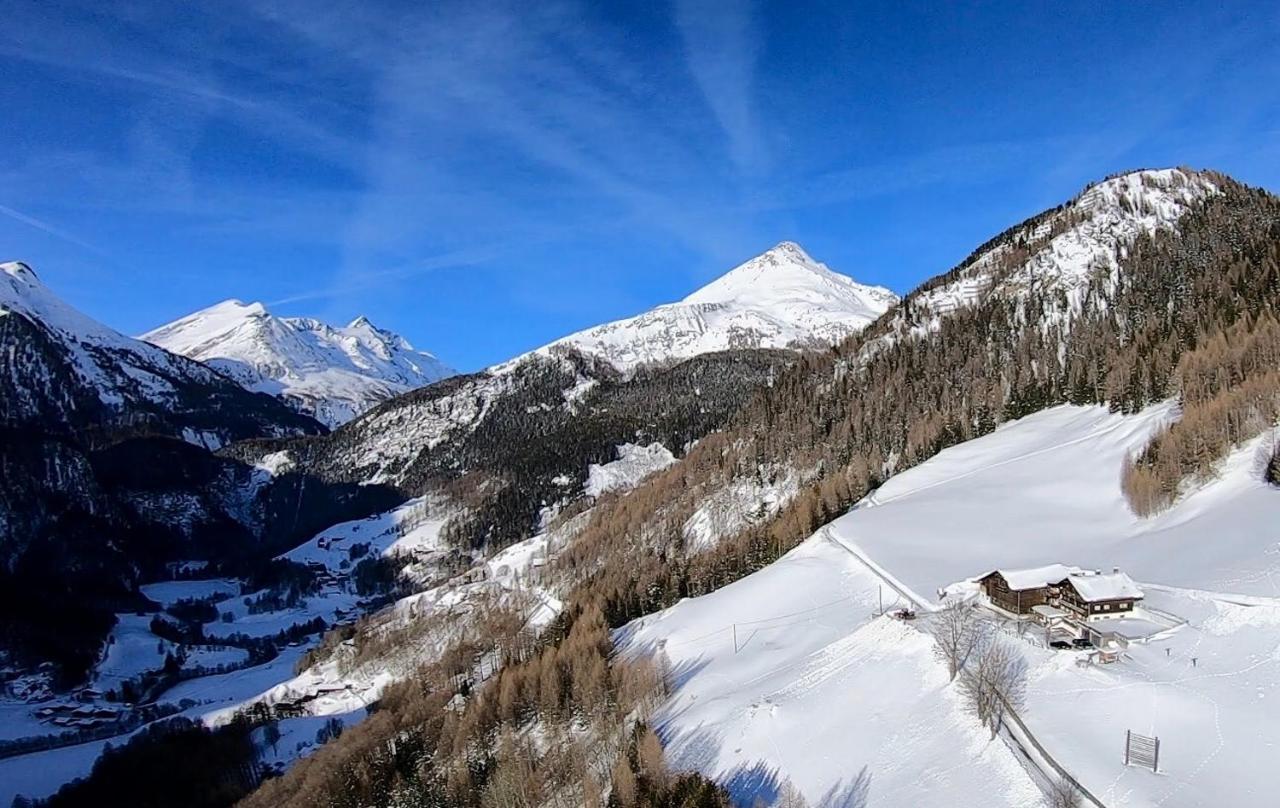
[
  {"x": 1058, "y": 253},
  {"x": 1056, "y": 478},
  {"x": 780, "y": 299},
  {"x": 333, "y": 374},
  {"x": 787, "y": 674}
]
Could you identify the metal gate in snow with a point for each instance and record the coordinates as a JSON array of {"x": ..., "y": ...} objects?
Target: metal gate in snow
[{"x": 1139, "y": 750}]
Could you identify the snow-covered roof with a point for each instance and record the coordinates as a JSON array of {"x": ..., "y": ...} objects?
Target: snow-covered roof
[
  {"x": 1109, "y": 586},
  {"x": 1037, "y": 577}
]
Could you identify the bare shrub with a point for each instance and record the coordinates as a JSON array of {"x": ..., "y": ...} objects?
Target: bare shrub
[{"x": 1064, "y": 795}]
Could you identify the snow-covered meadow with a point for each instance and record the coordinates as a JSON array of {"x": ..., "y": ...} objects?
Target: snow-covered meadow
[{"x": 787, "y": 674}]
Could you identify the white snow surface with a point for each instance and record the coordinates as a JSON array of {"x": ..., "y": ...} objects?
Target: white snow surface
[
  {"x": 780, "y": 299},
  {"x": 634, "y": 463},
  {"x": 786, "y": 673},
  {"x": 821, "y": 692},
  {"x": 1105, "y": 586},
  {"x": 332, "y": 373},
  {"x": 167, "y": 593},
  {"x": 1037, "y": 577}
]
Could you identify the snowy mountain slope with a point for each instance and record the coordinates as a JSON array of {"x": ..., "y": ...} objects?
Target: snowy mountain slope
[
  {"x": 65, "y": 367},
  {"x": 780, "y": 299},
  {"x": 789, "y": 675},
  {"x": 533, "y": 431},
  {"x": 1212, "y": 560},
  {"x": 784, "y": 674},
  {"x": 333, "y": 374},
  {"x": 1057, "y": 253},
  {"x": 1057, "y": 475}
]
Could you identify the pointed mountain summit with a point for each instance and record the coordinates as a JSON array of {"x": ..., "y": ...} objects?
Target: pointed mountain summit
[
  {"x": 782, "y": 298},
  {"x": 331, "y": 373}
]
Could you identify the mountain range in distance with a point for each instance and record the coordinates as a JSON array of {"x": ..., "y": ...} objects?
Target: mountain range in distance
[{"x": 782, "y": 298}]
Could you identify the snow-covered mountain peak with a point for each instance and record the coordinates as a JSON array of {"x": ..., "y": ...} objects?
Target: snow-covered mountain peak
[
  {"x": 331, "y": 373},
  {"x": 782, "y": 298},
  {"x": 785, "y": 274},
  {"x": 22, "y": 291},
  {"x": 16, "y": 269}
]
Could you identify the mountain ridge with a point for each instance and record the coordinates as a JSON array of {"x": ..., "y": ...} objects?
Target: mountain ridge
[{"x": 333, "y": 373}]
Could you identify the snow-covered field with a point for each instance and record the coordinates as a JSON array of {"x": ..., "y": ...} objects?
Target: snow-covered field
[
  {"x": 131, "y": 649},
  {"x": 822, "y": 692},
  {"x": 1215, "y": 717},
  {"x": 785, "y": 674},
  {"x": 1046, "y": 489},
  {"x": 413, "y": 527},
  {"x": 167, "y": 593}
]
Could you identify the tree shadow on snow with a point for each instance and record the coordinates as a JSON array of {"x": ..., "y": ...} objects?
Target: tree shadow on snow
[
  {"x": 852, "y": 795},
  {"x": 753, "y": 785}
]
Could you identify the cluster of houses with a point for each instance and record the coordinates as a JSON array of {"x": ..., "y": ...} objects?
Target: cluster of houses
[
  {"x": 1068, "y": 601},
  {"x": 67, "y": 715}
]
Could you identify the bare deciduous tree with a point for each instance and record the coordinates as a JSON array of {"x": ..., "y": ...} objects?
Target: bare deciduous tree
[
  {"x": 995, "y": 682},
  {"x": 624, "y": 783},
  {"x": 958, "y": 632}
]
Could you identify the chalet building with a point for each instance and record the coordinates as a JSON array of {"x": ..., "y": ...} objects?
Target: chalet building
[
  {"x": 1084, "y": 595},
  {"x": 1099, "y": 596},
  {"x": 1018, "y": 592}
]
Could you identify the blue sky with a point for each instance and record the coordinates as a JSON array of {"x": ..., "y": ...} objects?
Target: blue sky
[{"x": 485, "y": 177}]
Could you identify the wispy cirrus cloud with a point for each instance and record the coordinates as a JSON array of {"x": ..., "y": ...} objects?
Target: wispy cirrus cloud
[
  {"x": 560, "y": 103},
  {"x": 721, "y": 44},
  {"x": 52, "y": 230}
]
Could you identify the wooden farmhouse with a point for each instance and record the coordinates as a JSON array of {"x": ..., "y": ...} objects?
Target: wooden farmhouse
[
  {"x": 1085, "y": 595},
  {"x": 1018, "y": 592},
  {"x": 1097, "y": 596}
]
